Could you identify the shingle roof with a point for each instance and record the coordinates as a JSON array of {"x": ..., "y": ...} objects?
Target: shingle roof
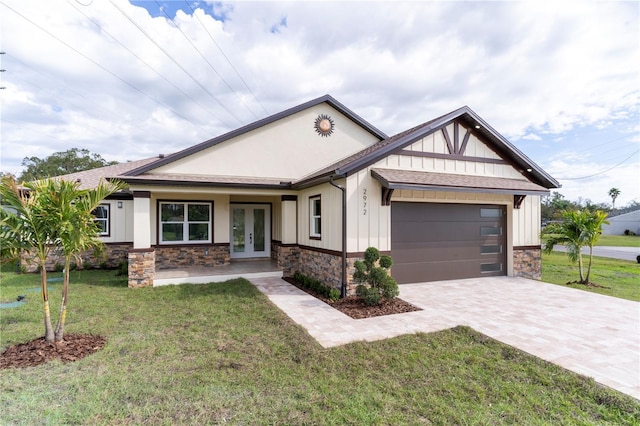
[
  {"x": 91, "y": 178},
  {"x": 413, "y": 179}
]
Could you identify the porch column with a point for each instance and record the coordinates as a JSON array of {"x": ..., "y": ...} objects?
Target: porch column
[
  {"x": 289, "y": 219},
  {"x": 288, "y": 253},
  {"x": 142, "y": 258}
]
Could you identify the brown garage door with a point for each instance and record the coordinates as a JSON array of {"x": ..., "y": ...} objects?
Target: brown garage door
[{"x": 431, "y": 242}]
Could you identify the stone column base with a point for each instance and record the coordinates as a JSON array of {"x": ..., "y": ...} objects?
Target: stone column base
[
  {"x": 142, "y": 267},
  {"x": 527, "y": 262}
]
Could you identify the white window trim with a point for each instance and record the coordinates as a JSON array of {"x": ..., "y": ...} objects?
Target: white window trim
[
  {"x": 107, "y": 220},
  {"x": 185, "y": 223},
  {"x": 313, "y": 233}
]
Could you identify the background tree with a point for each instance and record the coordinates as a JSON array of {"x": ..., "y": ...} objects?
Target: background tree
[
  {"x": 614, "y": 193},
  {"x": 579, "y": 228},
  {"x": 61, "y": 163}
]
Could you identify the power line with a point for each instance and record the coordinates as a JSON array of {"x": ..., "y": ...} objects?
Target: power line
[
  {"x": 604, "y": 171},
  {"x": 208, "y": 111},
  {"x": 193, "y": 13},
  {"x": 175, "y": 61},
  {"x": 205, "y": 59},
  {"x": 103, "y": 67}
]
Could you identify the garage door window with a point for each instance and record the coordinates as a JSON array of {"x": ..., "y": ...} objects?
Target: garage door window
[
  {"x": 495, "y": 249},
  {"x": 490, "y": 267},
  {"x": 490, "y": 212},
  {"x": 488, "y": 231}
]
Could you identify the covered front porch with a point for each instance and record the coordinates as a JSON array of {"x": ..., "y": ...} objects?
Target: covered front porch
[{"x": 249, "y": 268}]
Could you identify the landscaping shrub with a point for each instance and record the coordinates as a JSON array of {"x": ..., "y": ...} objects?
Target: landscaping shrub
[
  {"x": 372, "y": 274},
  {"x": 316, "y": 286}
]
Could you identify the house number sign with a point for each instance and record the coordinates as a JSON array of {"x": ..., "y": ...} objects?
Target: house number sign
[{"x": 364, "y": 201}]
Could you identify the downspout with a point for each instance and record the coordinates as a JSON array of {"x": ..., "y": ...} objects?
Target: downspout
[{"x": 343, "y": 287}]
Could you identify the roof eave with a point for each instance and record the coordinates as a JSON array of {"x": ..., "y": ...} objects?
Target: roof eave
[{"x": 156, "y": 182}]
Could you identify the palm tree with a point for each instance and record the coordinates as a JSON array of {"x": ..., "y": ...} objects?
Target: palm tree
[
  {"x": 27, "y": 229},
  {"x": 578, "y": 229},
  {"x": 77, "y": 230},
  {"x": 614, "y": 193},
  {"x": 49, "y": 215}
]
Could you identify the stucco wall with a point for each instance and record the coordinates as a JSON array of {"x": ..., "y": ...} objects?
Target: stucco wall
[{"x": 289, "y": 148}]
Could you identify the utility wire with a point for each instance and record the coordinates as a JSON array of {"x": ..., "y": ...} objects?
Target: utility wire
[
  {"x": 102, "y": 67},
  {"x": 604, "y": 171},
  {"x": 208, "y": 111},
  {"x": 205, "y": 59},
  {"x": 193, "y": 13},
  {"x": 175, "y": 61}
]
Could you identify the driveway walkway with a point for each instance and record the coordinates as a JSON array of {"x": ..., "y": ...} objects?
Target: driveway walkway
[{"x": 594, "y": 335}]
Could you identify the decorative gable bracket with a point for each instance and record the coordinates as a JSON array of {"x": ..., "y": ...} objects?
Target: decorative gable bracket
[
  {"x": 517, "y": 200},
  {"x": 386, "y": 196}
]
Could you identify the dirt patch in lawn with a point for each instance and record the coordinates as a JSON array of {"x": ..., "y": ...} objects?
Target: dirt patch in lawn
[
  {"x": 73, "y": 348},
  {"x": 357, "y": 309}
]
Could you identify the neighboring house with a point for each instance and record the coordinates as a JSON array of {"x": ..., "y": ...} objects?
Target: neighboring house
[
  {"x": 450, "y": 198},
  {"x": 629, "y": 221}
]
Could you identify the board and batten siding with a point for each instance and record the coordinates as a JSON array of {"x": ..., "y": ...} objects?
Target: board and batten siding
[
  {"x": 369, "y": 222},
  {"x": 121, "y": 221},
  {"x": 286, "y": 149},
  {"x": 331, "y": 217},
  {"x": 527, "y": 222}
]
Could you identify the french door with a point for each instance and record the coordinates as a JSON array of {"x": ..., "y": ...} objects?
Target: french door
[{"x": 250, "y": 230}]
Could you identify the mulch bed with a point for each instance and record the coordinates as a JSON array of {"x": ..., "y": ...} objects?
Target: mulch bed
[
  {"x": 39, "y": 351},
  {"x": 357, "y": 309}
]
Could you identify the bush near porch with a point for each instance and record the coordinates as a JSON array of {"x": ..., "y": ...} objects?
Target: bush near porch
[{"x": 222, "y": 353}]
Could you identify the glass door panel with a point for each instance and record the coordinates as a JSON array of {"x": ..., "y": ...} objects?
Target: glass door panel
[
  {"x": 251, "y": 231},
  {"x": 238, "y": 236},
  {"x": 258, "y": 230}
]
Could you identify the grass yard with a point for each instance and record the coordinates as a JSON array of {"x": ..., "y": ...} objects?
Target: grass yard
[
  {"x": 619, "y": 240},
  {"x": 222, "y": 353},
  {"x": 622, "y": 277}
]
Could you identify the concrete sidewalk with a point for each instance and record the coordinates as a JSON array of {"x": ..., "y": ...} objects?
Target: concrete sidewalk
[{"x": 594, "y": 335}]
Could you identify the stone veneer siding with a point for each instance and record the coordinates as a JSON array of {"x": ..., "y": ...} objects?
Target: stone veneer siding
[
  {"x": 287, "y": 257},
  {"x": 527, "y": 262},
  {"x": 326, "y": 267},
  {"x": 113, "y": 255},
  {"x": 180, "y": 257},
  {"x": 142, "y": 267}
]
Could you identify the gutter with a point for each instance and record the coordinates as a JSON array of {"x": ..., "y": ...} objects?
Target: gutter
[{"x": 343, "y": 286}]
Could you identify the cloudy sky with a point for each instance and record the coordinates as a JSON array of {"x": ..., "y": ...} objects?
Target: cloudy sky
[{"x": 129, "y": 80}]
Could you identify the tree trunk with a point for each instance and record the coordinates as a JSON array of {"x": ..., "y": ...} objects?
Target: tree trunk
[
  {"x": 586, "y": 280},
  {"x": 580, "y": 267},
  {"x": 63, "y": 303},
  {"x": 48, "y": 327}
]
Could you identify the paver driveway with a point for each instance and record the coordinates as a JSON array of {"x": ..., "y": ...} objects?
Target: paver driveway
[{"x": 594, "y": 335}]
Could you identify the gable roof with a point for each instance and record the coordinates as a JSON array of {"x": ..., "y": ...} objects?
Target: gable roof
[
  {"x": 260, "y": 123},
  {"x": 397, "y": 142}
]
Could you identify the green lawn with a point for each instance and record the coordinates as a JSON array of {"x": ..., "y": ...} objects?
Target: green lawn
[
  {"x": 619, "y": 240},
  {"x": 222, "y": 353},
  {"x": 620, "y": 277}
]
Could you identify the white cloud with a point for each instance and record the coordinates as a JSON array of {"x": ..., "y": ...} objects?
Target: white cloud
[{"x": 536, "y": 71}]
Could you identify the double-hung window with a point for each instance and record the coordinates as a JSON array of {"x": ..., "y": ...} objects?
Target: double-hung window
[
  {"x": 101, "y": 217},
  {"x": 185, "y": 222},
  {"x": 315, "y": 217}
]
